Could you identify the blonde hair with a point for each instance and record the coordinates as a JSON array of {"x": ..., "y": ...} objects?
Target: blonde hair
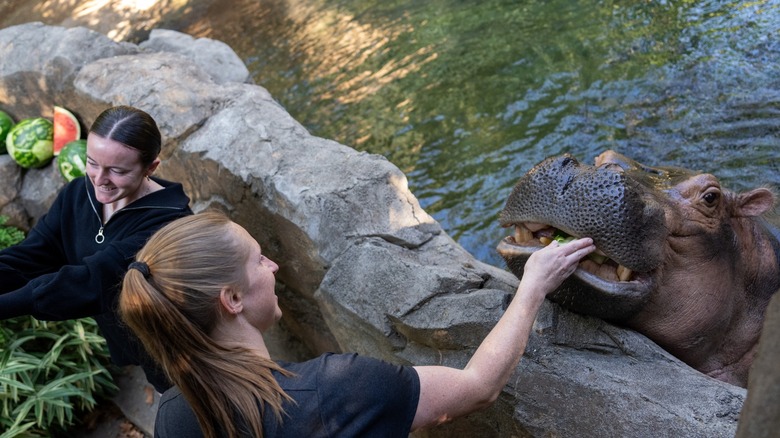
[{"x": 175, "y": 307}]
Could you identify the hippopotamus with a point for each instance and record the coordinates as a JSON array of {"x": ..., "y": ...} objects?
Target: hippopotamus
[{"x": 680, "y": 259}]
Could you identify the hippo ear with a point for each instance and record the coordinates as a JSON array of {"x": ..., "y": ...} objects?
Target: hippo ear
[{"x": 755, "y": 202}]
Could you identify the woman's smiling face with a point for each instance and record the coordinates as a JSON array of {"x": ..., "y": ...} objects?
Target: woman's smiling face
[{"x": 115, "y": 170}]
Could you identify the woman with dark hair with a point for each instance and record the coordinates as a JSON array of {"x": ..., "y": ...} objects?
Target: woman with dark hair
[
  {"x": 200, "y": 295},
  {"x": 72, "y": 262}
]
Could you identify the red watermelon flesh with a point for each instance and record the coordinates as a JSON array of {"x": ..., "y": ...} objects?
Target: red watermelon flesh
[{"x": 66, "y": 128}]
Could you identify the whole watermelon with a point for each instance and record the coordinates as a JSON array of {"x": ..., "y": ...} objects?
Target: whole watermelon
[
  {"x": 72, "y": 160},
  {"x": 30, "y": 142},
  {"x": 6, "y": 123}
]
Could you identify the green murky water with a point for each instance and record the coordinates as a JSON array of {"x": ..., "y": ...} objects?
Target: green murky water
[{"x": 466, "y": 96}]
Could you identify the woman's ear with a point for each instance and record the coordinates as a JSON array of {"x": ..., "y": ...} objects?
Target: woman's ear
[
  {"x": 230, "y": 299},
  {"x": 152, "y": 167}
]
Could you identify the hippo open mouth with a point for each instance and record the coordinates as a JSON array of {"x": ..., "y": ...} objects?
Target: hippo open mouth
[
  {"x": 531, "y": 235},
  {"x": 605, "y": 287},
  {"x": 561, "y": 199}
]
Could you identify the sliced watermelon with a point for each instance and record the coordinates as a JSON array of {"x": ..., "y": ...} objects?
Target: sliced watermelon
[{"x": 66, "y": 128}]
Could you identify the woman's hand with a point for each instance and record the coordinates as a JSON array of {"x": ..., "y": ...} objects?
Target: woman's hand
[{"x": 546, "y": 269}]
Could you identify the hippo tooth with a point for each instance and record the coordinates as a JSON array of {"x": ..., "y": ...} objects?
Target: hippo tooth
[
  {"x": 535, "y": 226},
  {"x": 545, "y": 240},
  {"x": 623, "y": 273},
  {"x": 522, "y": 234}
]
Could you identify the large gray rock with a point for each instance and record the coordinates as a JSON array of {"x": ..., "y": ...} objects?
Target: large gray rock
[
  {"x": 761, "y": 413},
  {"x": 39, "y": 189},
  {"x": 10, "y": 179},
  {"x": 363, "y": 267},
  {"x": 214, "y": 57},
  {"x": 39, "y": 63}
]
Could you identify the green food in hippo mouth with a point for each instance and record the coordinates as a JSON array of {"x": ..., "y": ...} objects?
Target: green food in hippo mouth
[
  {"x": 563, "y": 238},
  {"x": 602, "y": 265}
]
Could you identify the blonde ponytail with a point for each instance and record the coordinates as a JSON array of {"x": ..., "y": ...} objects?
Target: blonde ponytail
[{"x": 174, "y": 308}]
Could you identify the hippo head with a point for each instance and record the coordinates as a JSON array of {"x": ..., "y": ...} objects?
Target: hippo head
[
  {"x": 651, "y": 226},
  {"x": 689, "y": 264},
  {"x": 614, "y": 203}
]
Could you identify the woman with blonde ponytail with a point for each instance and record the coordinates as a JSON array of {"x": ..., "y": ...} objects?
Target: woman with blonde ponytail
[{"x": 200, "y": 295}]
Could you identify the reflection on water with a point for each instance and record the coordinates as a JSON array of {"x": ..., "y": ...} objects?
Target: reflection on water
[{"x": 466, "y": 96}]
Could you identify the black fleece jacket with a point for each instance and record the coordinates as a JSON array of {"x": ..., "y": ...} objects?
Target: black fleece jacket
[{"x": 64, "y": 270}]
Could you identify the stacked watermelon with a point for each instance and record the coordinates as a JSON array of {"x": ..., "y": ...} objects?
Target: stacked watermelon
[
  {"x": 33, "y": 142},
  {"x": 30, "y": 142},
  {"x": 72, "y": 160}
]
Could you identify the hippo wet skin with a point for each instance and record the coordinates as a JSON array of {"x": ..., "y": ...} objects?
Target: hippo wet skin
[{"x": 680, "y": 259}]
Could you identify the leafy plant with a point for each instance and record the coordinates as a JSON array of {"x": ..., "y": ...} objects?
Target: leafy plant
[
  {"x": 9, "y": 235},
  {"x": 49, "y": 371}
]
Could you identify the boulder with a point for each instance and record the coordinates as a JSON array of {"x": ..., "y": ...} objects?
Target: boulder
[
  {"x": 10, "y": 179},
  {"x": 363, "y": 267},
  {"x": 39, "y": 189},
  {"x": 40, "y": 62},
  {"x": 214, "y": 57},
  {"x": 760, "y": 417}
]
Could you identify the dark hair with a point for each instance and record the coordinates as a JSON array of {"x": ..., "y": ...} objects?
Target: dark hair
[{"x": 131, "y": 127}]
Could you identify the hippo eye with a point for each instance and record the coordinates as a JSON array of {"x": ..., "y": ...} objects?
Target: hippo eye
[{"x": 711, "y": 198}]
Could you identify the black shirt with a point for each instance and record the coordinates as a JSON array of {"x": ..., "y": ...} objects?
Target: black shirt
[
  {"x": 336, "y": 395},
  {"x": 63, "y": 271}
]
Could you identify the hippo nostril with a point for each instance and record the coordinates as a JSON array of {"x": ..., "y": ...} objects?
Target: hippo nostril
[
  {"x": 567, "y": 161},
  {"x": 566, "y": 185}
]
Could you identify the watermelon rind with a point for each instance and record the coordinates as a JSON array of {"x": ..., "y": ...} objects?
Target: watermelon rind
[
  {"x": 6, "y": 123},
  {"x": 72, "y": 160},
  {"x": 30, "y": 141},
  {"x": 66, "y": 128}
]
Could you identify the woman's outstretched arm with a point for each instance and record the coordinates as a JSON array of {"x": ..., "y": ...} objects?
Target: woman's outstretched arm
[{"x": 447, "y": 393}]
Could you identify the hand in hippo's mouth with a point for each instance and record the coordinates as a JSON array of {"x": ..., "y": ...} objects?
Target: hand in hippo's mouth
[{"x": 529, "y": 236}]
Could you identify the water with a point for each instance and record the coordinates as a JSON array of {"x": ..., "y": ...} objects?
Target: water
[{"x": 465, "y": 97}]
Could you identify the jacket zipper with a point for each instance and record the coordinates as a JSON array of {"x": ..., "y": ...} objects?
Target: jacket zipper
[{"x": 99, "y": 237}]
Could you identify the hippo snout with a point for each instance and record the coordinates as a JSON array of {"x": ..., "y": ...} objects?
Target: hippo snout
[{"x": 562, "y": 197}]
